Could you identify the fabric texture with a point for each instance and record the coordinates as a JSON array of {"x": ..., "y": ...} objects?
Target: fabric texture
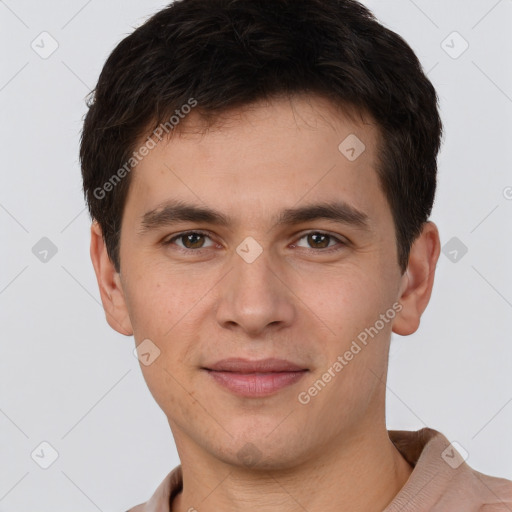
[{"x": 440, "y": 481}]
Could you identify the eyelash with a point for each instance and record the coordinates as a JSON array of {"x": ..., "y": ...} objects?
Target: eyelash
[{"x": 205, "y": 233}]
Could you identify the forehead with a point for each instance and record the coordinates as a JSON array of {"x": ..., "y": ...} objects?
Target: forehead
[{"x": 264, "y": 157}]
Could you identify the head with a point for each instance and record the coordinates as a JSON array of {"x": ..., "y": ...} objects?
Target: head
[{"x": 302, "y": 133}]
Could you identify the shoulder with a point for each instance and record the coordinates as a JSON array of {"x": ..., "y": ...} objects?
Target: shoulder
[
  {"x": 137, "y": 508},
  {"x": 442, "y": 480},
  {"x": 494, "y": 494},
  {"x": 160, "y": 500}
]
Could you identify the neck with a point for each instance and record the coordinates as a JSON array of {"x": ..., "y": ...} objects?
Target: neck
[{"x": 362, "y": 475}]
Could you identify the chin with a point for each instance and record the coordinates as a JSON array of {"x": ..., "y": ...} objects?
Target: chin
[{"x": 259, "y": 451}]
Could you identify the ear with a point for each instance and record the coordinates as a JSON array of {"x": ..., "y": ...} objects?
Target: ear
[
  {"x": 109, "y": 282},
  {"x": 418, "y": 280}
]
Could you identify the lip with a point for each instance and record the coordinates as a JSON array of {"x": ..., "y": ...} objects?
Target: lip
[
  {"x": 240, "y": 365},
  {"x": 260, "y": 378}
]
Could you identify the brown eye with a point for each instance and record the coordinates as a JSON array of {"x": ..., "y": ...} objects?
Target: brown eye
[
  {"x": 320, "y": 240},
  {"x": 191, "y": 240}
]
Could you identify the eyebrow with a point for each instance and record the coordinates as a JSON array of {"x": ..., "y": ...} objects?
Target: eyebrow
[{"x": 179, "y": 211}]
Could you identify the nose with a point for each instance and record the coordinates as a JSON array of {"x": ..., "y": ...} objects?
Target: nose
[{"x": 255, "y": 296}]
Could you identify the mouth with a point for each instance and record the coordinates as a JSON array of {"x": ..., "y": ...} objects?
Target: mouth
[{"x": 255, "y": 379}]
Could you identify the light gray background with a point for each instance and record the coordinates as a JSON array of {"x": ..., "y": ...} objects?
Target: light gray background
[{"x": 68, "y": 379}]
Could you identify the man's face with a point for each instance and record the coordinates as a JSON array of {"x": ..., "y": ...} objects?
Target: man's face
[{"x": 301, "y": 290}]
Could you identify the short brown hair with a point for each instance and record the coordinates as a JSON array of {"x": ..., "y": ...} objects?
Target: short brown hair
[{"x": 230, "y": 53}]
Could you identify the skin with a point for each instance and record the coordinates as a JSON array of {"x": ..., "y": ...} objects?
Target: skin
[{"x": 293, "y": 302}]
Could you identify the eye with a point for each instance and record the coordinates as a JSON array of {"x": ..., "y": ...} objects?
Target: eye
[
  {"x": 191, "y": 240},
  {"x": 194, "y": 241},
  {"x": 321, "y": 240}
]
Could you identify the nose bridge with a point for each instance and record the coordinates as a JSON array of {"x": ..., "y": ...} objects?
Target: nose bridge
[{"x": 252, "y": 295}]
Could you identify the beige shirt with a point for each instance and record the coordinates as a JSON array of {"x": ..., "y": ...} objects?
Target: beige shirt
[{"x": 440, "y": 482}]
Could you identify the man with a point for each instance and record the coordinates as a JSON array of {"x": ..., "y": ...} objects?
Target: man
[{"x": 260, "y": 174}]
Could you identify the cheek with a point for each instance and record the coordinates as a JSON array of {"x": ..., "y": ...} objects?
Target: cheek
[
  {"x": 162, "y": 311},
  {"x": 158, "y": 301},
  {"x": 350, "y": 305},
  {"x": 345, "y": 300}
]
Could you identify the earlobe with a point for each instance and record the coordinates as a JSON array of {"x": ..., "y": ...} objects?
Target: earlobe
[
  {"x": 418, "y": 280},
  {"x": 109, "y": 283}
]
